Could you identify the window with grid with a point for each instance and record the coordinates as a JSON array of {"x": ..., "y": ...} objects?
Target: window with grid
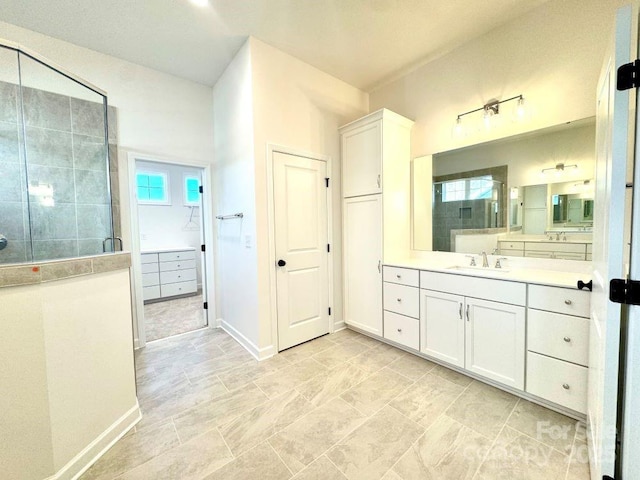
[{"x": 152, "y": 188}]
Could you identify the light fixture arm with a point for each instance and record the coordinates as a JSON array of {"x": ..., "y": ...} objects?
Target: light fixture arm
[{"x": 493, "y": 106}]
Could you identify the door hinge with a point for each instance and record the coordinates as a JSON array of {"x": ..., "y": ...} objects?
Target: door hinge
[
  {"x": 628, "y": 76},
  {"x": 328, "y": 247},
  {"x": 203, "y": 248},
  {"x": 624, "y": 291},
  {"x": 327, "y": 181},
  {"x": 329, "y": 310},
  {"x": 200, "y": 189},
  {"x": 206, "y": 305}
]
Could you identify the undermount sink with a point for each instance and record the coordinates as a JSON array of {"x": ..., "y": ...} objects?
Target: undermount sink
[{"x": 476, "y": 270}]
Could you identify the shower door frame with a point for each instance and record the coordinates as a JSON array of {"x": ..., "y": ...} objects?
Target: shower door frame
[{"x": 139, "y": 335}]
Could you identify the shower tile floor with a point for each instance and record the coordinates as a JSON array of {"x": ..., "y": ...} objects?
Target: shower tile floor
[
  {"x": 343, "y": 406},
  {"x": 172, "y": 317}
]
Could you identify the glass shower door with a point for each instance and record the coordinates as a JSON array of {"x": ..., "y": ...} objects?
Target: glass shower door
[{"x": 15, "y": 235}]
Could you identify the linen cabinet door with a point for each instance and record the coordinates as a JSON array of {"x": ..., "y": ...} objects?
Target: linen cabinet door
[
  {"x": 362, "y": 160},
  {"x": 363, "y": 263},
  {"x": 495, "y": 341},
  {"x": 442, "y": 326}
]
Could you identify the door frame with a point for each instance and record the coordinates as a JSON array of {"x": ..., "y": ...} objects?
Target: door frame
[
  {"x": 273, "y": 300},
  {"x": 207, "y": 231}
]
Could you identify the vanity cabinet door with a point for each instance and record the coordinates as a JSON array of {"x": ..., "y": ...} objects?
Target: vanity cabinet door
[
  {"x": 362, "y": 249},
  {"x": 495, "y": 341},
  {"x": 442, "y": 326},
  {"x": 362, "y": 160}
]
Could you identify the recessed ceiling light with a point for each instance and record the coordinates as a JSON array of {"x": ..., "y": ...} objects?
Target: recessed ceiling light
[{"x": 200, "y": 3}]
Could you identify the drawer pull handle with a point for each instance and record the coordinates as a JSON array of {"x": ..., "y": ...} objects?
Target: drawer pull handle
[
  {"x": 567, "y": 339},
  {"x": 566, "y": 386},
  {"x": 467, "y": 313},
  {"x": 460, "y": 311},
  {"x": 399, "y": 330},
  {"x": 399, "y": 299},
  {"x": 567, "y": 302}
]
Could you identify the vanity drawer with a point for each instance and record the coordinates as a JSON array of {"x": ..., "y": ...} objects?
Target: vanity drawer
[
  {"x": 589, "y": 248},
  {"x": 556, "y": 335},
  {"x": 177, "y": 276},
  {"x": 149, "y": 258},
  {"x": 149, "y": 293},
  {"x": 179, "y": 265},
  {"x": 403, "y": 276},
  {"x": 149, "y": 279},
  {"x": 557, "y": 247},
  {"x": 569, "y": 256},
  {"x": 401, "y": 299},
  {"x": 511, "y": 253},
  {"x": 171, "y": 289},
  {"x": 402, "y": 330},
  {"x": 511, "y": 245},
  {"x": 514, "y": 293},
  {"x": 150, "y": 267},
  {"x": 177, "y": 255},
  {"x": 557, "y": 381},
  {"x": 561, "y": 300},
  {"x": 538, "y": 254}
]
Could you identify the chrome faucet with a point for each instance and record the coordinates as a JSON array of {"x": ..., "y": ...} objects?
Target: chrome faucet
[
  {"x": 473, "y": 260},
  {"x": 498, "y": 264},
  {"x": 485, "y": 261}
]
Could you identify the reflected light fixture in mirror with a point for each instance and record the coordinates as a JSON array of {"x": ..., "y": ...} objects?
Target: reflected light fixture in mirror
[
  {"x": 558, "y": 169},
  {"x": 200, "y": 3}
]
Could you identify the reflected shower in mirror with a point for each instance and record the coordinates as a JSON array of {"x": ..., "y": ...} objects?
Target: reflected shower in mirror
[{"x": 480, "y": 195}]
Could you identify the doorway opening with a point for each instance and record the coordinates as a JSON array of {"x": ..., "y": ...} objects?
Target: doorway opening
[{"x": 167, "y": 211}]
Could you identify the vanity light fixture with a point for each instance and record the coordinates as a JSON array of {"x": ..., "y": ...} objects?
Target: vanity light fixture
[
  {"x": 200, "y": 3},
  {"x": 559, "y": 168},
  {"x": 490, "y": 114}
]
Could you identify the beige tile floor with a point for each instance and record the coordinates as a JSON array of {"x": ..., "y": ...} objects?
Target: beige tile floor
[
  {"x": 343, "y": 406},
  {"x": 173, "y": 317}
]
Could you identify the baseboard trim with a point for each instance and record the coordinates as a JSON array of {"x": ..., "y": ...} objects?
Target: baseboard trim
[
  {"x": 257, "y": 353},
  {"x": 96, "y": 449},
  {"x": 339, "y": 326}
]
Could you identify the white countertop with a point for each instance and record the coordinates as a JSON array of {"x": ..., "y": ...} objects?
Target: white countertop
[
  {"x": 513, "y": 273},
  {"x": 571, "y": 238},
  {"x": 165, "y": 250}
]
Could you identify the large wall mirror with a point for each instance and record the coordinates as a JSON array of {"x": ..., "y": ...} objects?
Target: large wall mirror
[{"x": 536, "y": 187}]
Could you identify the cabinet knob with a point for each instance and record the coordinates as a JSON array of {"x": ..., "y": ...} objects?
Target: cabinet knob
[
  {"x": 567, "y": 302},
  {"x": 399, "y": 299},
  {"x": 567, "y": 339},
  {"x": 566, "y": 386},
  {"x": 399, "y": 330},
  {"x": 398, "y": 276}
]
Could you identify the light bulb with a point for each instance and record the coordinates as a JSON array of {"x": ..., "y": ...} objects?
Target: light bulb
[
  {"x": 520, "y": 110},
  {"x": 458, "y": 129},
  {"x": 200, "y": 3}
]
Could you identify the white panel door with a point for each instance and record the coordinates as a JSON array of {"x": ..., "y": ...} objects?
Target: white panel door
[
  {"x": 300, "y": 203},
  {"x": 442, "y": 326},
  {"x": 612, "y": 125},
  {"x": 362, "y": 249},
  {"x": 494, "y": 341},
  {"x": 362, "y": 160}
]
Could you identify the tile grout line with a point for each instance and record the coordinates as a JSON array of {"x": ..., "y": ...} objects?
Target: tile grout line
[
  {"x": 494, "y": 442},
  {"x": 278, "y": 455}
]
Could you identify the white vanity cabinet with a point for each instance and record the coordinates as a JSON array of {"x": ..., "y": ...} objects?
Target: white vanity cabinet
[
  {"x": 558, "y": 345},
  {"x": 401, "y": 301},
  {"x": 482, "y": 335},
  {"x": 168, "y": 273},
  {"x": 376, "y": 172}
]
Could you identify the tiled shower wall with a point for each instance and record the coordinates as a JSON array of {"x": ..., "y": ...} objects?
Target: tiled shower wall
[{"x": 64, "y": 149}]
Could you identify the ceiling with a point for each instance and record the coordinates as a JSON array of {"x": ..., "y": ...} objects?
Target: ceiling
[{"x": 363, "y": 42}]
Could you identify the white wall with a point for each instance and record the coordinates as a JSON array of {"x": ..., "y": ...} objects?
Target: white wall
[
  {"x": 169, "y": 226},
  {"x": 300, "y": 107},
  {"x": 234, "y": 191},
  {"x": 552, "y": 55}
]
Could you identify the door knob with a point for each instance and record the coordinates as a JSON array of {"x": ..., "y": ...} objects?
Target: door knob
[{"x": 281, "y": 263}]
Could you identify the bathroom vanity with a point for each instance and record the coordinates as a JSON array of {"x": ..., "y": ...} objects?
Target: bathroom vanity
[{"x": 521, "y": 329}]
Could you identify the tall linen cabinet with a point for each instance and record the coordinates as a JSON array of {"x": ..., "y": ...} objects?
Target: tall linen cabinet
[{"x": 376, "y": 177}]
